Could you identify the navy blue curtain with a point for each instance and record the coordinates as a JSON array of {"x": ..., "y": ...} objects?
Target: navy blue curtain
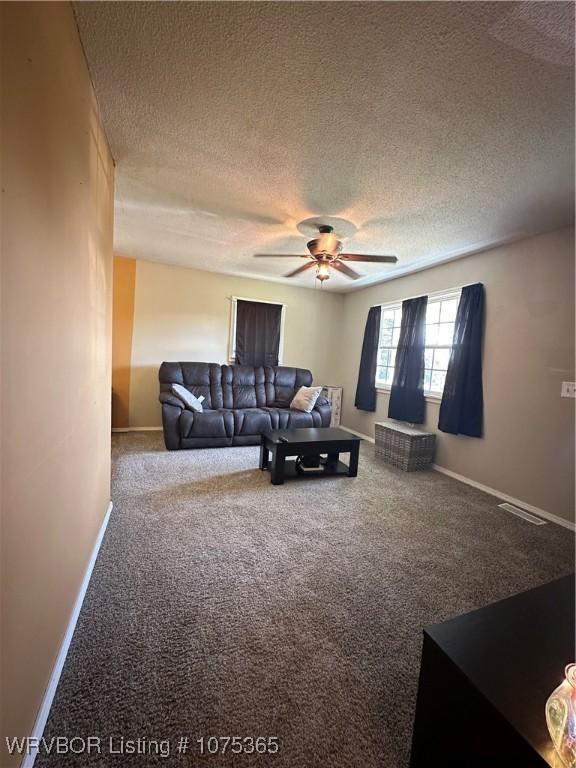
[
  {"x": 258, "y": 327},
  {"x": 407, "y": 396},
  {"x": 366, "y": 388},
  {"x": 462, "y": 407}
]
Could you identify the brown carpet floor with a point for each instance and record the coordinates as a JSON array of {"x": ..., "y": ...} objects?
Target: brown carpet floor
[{"x": 222, "y": 605}]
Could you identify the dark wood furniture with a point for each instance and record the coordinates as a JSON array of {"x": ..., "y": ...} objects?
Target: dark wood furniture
[
  {"x": 485, "y": 678},
  {"x": 280, "y": 443}
]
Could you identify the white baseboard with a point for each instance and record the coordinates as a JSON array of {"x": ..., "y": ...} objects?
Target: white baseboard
[
  {"x": 492, "y": 491},
  {"x": 136, "y": 429},
  {"x": 355, "y": 432},
  {"x": 44, "y": 711},
  {"x": 506, "y": 497}
]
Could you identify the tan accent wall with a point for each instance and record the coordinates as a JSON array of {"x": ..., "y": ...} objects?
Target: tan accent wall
[
  {"x": 122, "y": 324},
  {"x": 184, "y": 314},
  {"x": 528, "y": 448},
  {"x": 57, "y": 215}
]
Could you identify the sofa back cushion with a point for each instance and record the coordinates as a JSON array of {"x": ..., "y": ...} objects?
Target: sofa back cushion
[
  {"x": 243, "y": 386},
  {"x": 199, "y": 378},
  {"x": 284, "y": 383},
  {"x": 236, "y": 386}
]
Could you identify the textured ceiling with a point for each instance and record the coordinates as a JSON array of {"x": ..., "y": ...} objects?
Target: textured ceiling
[{"x": 436, "y": 128}]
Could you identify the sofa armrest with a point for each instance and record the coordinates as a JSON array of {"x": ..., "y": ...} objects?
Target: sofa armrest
[
  {"x": 167, "y": 398},
  {"x": 324, "y": 408},
  {"x": 172, "y": 408}
]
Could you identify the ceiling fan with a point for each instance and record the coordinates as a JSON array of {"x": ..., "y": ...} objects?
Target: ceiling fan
[{"x": 325, "y": 254}]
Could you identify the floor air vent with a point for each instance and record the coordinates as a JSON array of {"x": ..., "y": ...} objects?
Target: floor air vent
[{"x": 523, "y": 514}]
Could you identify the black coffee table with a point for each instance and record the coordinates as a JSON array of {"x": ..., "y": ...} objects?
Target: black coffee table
[
  {"x": 280, "y": 443},
  {"x": 484, "y": 680}
]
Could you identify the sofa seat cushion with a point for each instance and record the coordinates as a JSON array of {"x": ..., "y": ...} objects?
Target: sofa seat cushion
[
  {"x": 253, "y": 421},
  {"x": 284, "y": 418},
  {"x": 274, "y": 416},
  {"x": 300, "y": 419},
  {"x": 219, "y": 424}
]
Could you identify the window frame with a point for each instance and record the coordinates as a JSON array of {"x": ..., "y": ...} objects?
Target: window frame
[
  {"x": 381, "y": 386},
  {"x": 232, "y": 330},
  {"x": 436, "y": 297}
]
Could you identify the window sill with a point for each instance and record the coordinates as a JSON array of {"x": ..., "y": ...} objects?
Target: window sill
[{"x": 430, "y": 396}]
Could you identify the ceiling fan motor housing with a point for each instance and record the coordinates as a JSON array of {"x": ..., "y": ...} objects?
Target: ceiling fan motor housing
[{"x": 325, "y": 245}]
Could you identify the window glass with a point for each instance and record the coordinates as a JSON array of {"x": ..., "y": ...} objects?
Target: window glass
[
  {"x": 390, "y": 321},
  {"x": 440, "y": 319}
]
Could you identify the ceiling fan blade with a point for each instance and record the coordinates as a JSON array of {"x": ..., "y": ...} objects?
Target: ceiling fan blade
[
  {"x": 280, "y": 256},
  {"x": 303, "y": 268},
  {"x": 362, "y": 257},
  {"x": 339, "y": 267}
]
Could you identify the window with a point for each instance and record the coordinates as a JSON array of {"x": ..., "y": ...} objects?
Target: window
[
  {"x": 389, "y": 334},
  {"x": 440, "y": 319},
  {"x": 261, "y": 328}
]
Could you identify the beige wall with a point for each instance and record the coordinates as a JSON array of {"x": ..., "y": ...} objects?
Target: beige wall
[
  {"x": 122, "y": 325},
  {"x": 184, "y": 314},
  {"x": 528, "y": 448},
  {"x": 57, "y": 207}
]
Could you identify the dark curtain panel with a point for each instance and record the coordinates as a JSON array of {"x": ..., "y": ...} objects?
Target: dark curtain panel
[
  {"x": 407, "y": 396},
  {"x": 257, "y": 333},
  {"x": 366, "y": 388},
  {"x": 462, "y": 407}
]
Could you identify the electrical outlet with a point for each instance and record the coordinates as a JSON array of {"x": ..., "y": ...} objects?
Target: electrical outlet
[{"x": 568, "y": 389}]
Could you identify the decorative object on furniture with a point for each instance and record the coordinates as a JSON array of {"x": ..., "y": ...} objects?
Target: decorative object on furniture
[
  {"x": 484, "y": 679},
  {"x": 305, "y": 399},
  {"x": 190, "y": 401},
  {"x": 462, "y": 406},
  {"x": 365, "y": 399},
  {"x": 407, "y": 394},
  {"x": 326, "y": 253},
  {"x": 258, "y": 326},
  {"x": 306, "y": 443},
  {"x": 403, "y": 446},
  {"x": 334, "y": 397},
  {"x": 561, "y": 717},
  {"x": 241, "y": 402}
]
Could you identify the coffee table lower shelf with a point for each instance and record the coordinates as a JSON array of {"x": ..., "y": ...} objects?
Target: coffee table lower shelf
[{"x": 323, "y": 471}]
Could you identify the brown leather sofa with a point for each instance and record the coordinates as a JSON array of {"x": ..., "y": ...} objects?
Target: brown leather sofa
[{"x": 240, "y": 403}]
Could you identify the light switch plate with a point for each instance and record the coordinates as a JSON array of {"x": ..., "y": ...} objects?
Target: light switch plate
[{"x": 568, "y": 389}]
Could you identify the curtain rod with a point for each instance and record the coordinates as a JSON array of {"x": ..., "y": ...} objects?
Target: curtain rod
[
  {"x": 432, "y": 294},
  {"x": 257, "y": 301}
]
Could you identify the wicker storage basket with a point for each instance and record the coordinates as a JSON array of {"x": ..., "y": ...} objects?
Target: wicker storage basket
[{"x": 404, "y": 447}]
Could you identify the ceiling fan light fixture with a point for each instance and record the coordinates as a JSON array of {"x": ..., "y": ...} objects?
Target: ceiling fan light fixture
[{"x": 323, "y": 271}]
